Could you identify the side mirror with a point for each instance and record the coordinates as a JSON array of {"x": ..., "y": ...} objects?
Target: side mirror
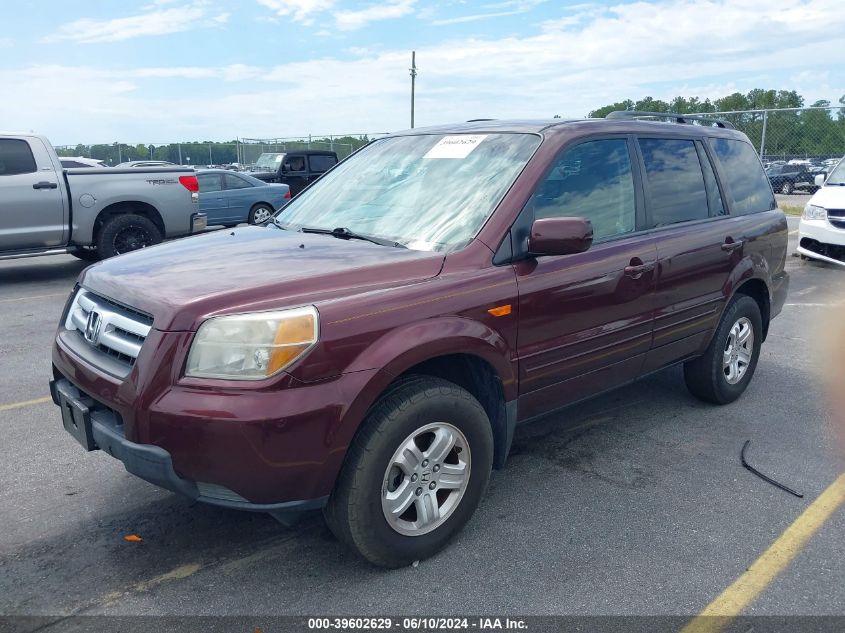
[
  {"x": 820, "y": 178},
  {"x": 560, "y": 236}
]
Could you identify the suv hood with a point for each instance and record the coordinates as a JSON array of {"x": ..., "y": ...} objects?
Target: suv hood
[
  {"x": 182, "y": 282},
  {"x": 829, "y": 197}
]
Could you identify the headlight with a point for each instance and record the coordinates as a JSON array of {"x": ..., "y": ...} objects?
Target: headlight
[
  {"x": 812, "y": 212},
  {"x": 252, "y": 346}
]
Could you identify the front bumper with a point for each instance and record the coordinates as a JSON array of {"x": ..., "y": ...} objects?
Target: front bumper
[
  {"x": 819, "y": 240},
  {"x": 96, "y": 427}
]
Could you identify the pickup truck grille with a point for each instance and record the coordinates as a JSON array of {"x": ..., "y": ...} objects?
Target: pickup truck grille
[
  {"x": 113, "y": 330},
  {"x": 836, "y": 217}
]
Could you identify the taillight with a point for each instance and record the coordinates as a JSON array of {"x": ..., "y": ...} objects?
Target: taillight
[
  {"x": 190, "y": 183},
  {"x": 287, "y": 195}
]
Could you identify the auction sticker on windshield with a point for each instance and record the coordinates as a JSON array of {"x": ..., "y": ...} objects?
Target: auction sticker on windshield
[{"x": 455, "y": 146}]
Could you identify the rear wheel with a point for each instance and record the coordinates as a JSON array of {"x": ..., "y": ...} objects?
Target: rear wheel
[
  {"x": 414, "y": 474},
  {"x": 787, "y": 188},
  {"x": 126, "y": 232},
  {"x": 260, "y": 213},
  {"x": 722, "y": 374}
]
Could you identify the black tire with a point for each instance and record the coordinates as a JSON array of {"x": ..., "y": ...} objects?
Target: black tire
[
  {"x": 258, "y": 209},
  {"x": 354, "y": 511},
  {"x": 786, "y": 188},
  {"x": 705, "y": 376},
  {"x": 86, "y": 254},
  {"x": 126, "y": 232}
]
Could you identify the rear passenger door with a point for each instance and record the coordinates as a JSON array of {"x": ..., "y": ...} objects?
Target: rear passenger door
[
  {"x": 585, "y": 319},
  {"x": 240, "y": 195},
  {"x": 697, "y": 244}
]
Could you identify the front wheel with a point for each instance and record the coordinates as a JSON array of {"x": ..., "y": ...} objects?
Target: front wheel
[
  {"x": 126, "y": 232},
  {"x": 414, "y": 474},
  {"x": 722, "y": 374},
  {"x": 786, "y": 188}
]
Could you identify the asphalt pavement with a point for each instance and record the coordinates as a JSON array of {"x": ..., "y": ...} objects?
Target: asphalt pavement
[{"x": 632, "y": 503}]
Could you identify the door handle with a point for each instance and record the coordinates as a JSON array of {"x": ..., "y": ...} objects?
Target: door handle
[
  {"x": 730, "y": 246},
  {"x": 45, "y": 185},
  {"x": 635, "y": 271}
]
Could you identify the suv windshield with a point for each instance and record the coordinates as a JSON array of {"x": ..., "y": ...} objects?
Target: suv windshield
[
  {"x": 837, "y": 176},
  {"x": 270, "y": 162},
  {"x": 426, "y": 192}
]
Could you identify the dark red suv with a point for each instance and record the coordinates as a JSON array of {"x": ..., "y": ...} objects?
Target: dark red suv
[{"x": 370, "y": 350}]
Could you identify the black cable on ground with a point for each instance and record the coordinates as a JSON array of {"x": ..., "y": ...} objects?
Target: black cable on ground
[{"x": 764, "y": 477}]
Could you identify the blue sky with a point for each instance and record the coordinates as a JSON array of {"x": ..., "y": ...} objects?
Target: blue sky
[{"x": 167, "y": 70}]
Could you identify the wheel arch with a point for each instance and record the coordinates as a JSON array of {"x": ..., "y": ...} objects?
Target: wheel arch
[
  {"x": 144, "y": 209},
  {"x": 758, "y": 290}
]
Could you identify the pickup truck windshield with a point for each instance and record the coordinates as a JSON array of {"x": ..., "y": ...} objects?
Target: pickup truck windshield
[
  {"x": 837, "y": 176},
  {"x": 426, "y": 192},
  {"x": 270, "y": 162}
]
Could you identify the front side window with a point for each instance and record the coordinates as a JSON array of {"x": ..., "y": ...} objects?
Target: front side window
[
  {"x": 16, "y": 157},
  {"x": 234, "y": 182},
  {"x": 296, "y": 163},
  {"x": 741, "y": 167},
  {"x": 429, "y": 192},
  {"x": 674, "y": 181},
  {"x": 594, "y": 181},
  {"x": 209, "y": 182}
]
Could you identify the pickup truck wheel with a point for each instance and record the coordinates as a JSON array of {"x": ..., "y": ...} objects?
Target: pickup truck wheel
[
  {"x": 786, "y": 188},
  {"x": 260, "y": 213},
  {"x": 724, "y": 371},
  {"x": 414, "y": 474},
  {"x": 126, "y": 232}
]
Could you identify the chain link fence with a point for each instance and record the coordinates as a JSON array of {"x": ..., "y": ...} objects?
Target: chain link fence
[
  {"x": 811, "y": 135},
  {"x": 241, "y": 152}
]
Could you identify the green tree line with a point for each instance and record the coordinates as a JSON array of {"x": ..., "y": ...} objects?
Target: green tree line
[
  {"x": 206, "y": 152},
  {"x": 806, "y": 133}
]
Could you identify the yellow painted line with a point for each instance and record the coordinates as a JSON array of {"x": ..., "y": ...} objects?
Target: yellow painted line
[
  {"x": 733, "y": 600},
  {"x": 25, "y": 403},
  {"x": 57, "y": 294}
]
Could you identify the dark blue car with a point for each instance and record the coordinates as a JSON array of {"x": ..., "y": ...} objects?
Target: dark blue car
[{"x": 230, "y": 198}]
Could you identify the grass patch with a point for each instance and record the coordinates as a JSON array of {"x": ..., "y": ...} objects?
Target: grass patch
[{"x": 791, "y": 209}]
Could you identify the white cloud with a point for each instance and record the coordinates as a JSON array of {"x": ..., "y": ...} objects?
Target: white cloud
[
  {"x": 298, "y": 10},
  {"x": 588, "y": 58},
  {"x": 156, "y": 20},
  {"x": 352, "y": 20},
  {"x": 5, "y": 42}
]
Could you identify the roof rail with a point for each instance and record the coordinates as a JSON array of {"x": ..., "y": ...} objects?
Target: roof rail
[
  {"x": 679, "y": 118},
  {"x": 477, "y": 120}
]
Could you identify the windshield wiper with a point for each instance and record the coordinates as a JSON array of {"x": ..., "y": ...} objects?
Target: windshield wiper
[{"x": 344, "y": 233}]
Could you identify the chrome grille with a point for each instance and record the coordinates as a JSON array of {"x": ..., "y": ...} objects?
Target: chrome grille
[
  {"x": 836, "y": 217},
  {"x": 110, "y": 328}
]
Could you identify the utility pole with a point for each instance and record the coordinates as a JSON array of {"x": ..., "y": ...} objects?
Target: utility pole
[{"x": 413, "y": 82}]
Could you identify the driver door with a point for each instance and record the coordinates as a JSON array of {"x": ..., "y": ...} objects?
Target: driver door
[{"x": 585, "y": 320}]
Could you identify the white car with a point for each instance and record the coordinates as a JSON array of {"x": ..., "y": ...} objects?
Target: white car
[{"x": 821, "y": 232}]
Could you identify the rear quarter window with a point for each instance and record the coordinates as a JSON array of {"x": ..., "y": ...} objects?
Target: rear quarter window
[
  {"x": 743, "y": 172},
  {"x": 321, "y": 163},
  {"x": 15, "y": 157}
]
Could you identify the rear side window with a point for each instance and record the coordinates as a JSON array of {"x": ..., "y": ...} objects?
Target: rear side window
[
  {"x": 209, "y": 182},
  {"x": 674, "y": 181},
  {"x": 748, "y": 185},
  {"x": 15, "y": 157},
  {"x": 592, "y": 180},
  {"x": 321, "y": 163}
]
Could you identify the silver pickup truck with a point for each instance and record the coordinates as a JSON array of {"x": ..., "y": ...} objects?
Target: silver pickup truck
[{"x": 89, "y": 213}]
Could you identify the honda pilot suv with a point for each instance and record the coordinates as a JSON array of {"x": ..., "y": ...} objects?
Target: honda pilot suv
[{"x": 415, "y": 304}]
